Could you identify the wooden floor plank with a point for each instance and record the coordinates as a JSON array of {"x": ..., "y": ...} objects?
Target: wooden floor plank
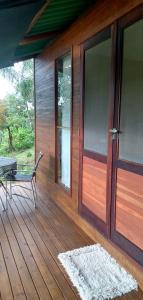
[
  {"x": 45, "y": 209},
  {"x": 29, "y": 258},
  {"x": 26, "y": 278},
  {"x": 130, "y": 296},
  {"x": 42, "y": 213},
  {"x": 41, "y": 262},
  {"x": 60, "y": 231},
  {"x": 50, "y": 279},
  {"x": 62, "y": 218},
  {"x": 43, "y": 221},
  {"x": 43, "y": 226},
  {"x": 45, "y": 252},
  {"x": 5, "y": 287},
  {"x": 15, "y": 280},
  {"x": 30, "y": 241},
  {"x": 48, "y": 251},
  {"x": 51, "y": 210}
]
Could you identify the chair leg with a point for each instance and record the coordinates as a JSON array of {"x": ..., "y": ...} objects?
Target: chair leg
[
  {"x": 33, "y": 191},
  {"x": 10, "y": 190},
  {"x": 6, "y": 196},
  {"x": 5, "y": 191}
]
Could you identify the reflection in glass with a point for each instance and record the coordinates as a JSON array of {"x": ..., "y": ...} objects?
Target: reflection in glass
[
  {"x": 64, "y": 119},
  {"x": 131, "y": 123},
  {"x": 97, "y": 78}
]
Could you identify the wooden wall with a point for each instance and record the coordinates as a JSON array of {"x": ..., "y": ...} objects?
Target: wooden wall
[
  {"x": 129, "y": 209},
  {"x": 94, "y": 176},
  {"x": 99, "y": 16},
  {"x": 102, "y": 14}
]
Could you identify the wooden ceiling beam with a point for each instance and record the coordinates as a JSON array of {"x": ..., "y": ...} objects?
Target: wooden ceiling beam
[
  {"x": 38, "y": 15},
  {"x": 38, "y": 37}
]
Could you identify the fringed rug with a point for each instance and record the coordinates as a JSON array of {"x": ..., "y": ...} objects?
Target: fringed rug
[{"x": 95, "y": 274}]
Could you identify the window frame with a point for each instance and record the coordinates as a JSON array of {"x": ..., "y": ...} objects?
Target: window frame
[{"x": 65, "y": 189}]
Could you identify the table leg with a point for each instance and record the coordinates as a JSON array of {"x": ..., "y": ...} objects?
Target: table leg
[
  {"x": 7, "y": 194},
  {"x": 10, "y": 189}
]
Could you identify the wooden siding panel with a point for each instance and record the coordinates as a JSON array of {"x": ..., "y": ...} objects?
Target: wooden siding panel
[
  {"x": 98, "y": 17},
  {"x": 45, "y": 121},
  {"x": 129, "y": 206},
  {"x": 94, "y": 187}
]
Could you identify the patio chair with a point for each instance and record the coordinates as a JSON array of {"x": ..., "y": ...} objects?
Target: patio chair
[{"x": 27, "y": 176}]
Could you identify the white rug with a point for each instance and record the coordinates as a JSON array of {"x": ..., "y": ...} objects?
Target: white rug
[{"x": 95, "y": 274}]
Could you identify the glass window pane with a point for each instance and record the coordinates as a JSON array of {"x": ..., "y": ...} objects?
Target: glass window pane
[
  {"x": 64, "y": 156},
  {"x": 64, "y": 91},
  {"x": 97, "y": 78},
  {"x": 131, "y": 123},
  {"x": 64, "y": 119}
]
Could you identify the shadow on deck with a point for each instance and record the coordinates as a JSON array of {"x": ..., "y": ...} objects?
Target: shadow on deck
[{"x": 30, "y": 240}]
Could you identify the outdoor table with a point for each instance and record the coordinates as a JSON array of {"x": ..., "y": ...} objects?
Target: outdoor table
[{"x": 7, "y": 164}]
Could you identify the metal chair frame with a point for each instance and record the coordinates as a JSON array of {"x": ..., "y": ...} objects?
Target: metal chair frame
[
  {"x": 6, "y": 192},
  {"x": 8, "y": 178}
]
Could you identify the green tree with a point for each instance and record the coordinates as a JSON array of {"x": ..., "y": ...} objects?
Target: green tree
[
  {"x": 17, "y": 110},
  {"x": 5, "y": 124},
  {"x": 25, "y": 92},
  {"x": 16, "y": 75}
]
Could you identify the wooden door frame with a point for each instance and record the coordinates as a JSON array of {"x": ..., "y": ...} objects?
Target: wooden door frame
[
  {"x": 114, "y": 120},
  {"x": 134, "y": 251},
  {"x": 103, "y": 227}
]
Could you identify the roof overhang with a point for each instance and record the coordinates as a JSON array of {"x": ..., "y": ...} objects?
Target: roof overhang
[{"x": 27, "y": 26}]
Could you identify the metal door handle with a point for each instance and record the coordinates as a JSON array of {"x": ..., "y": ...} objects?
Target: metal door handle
[
  {"x": 113, "y": 130},
  {"x": 114, "y": 133}
]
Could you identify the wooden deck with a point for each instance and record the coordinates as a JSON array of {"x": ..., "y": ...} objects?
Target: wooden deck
[{"x": 30, "y": 240}]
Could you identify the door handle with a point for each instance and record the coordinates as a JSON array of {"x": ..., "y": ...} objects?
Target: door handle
[
  {"x": 113, "y": 130},
  {"x": 114, "y": 133}
]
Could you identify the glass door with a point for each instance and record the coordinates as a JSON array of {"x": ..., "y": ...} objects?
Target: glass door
[
  {"x": 127, "y": 183},
  {"x": 96, "y": 98}
]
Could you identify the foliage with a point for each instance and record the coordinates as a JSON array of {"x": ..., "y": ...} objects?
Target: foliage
[
  {"x": 17, "y": 110},
  {"x": 18, "y": 72},
  {"x": 25, "y": 156},
  {"x": 64, "y": 89},
  {"x": 6, "y": 124},
  {"x": 2, "y": 115},
  {"x": 23, "y": 138}
]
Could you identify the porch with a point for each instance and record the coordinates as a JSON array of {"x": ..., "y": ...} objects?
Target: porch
[
  {"x": 83, "y": 170},
  {"x": 30, "y": 240}
]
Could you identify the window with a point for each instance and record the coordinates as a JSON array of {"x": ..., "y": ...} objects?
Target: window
[
  {"x": 96, "y": 97},
  {"x": 131, "y": 123},
  {"x": 63, "y": 120}
]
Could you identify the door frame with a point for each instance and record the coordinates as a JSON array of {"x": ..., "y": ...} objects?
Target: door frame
[
  {"x": 134, "y": 251},
  {"x": 115, "y": 99},
  {"x": 83, "y": 210}
]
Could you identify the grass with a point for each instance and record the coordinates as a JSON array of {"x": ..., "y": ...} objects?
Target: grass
[{"x": 22, "y": 157}]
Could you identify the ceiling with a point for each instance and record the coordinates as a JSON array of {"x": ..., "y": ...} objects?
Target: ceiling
[{"x": 27, "y": 26}]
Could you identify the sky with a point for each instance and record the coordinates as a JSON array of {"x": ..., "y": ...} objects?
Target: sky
[{"x": 5, "y": 87}]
